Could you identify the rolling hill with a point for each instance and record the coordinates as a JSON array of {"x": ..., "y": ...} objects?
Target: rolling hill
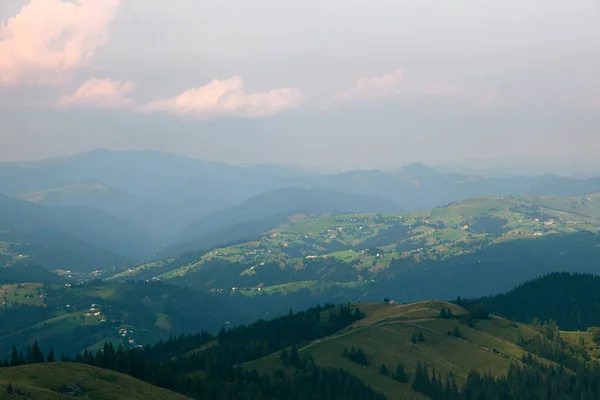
[
  {"x": 183, "y": 189},
  {"x": 75, "y": 317},
  {"x": 275, "y": 205},
  {"x": 474, "y": 247},
  {"x": 52, "y": 381},
  {"x": 385, "y": 337},
  {"x": 142, "y": 212},
  {"x": 163, "y": 193},
  {"x": 69, "y": 235},
  {"x": 71, "y": 317},
  {"x": 430, "y": 349},
  {"x": 18, "y": 273}
]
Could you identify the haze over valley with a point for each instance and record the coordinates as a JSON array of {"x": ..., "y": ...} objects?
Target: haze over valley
[{"x": 299, "y": 200}]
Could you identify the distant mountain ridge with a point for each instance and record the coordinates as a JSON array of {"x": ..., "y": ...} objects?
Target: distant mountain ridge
[
  {"x": 179, "y": 199},
  {"x": 280, "y": 203},
  {"x": 90, "y": 231}
]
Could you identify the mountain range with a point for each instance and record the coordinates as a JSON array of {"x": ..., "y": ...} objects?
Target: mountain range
[{"x": 140, "y": 205}]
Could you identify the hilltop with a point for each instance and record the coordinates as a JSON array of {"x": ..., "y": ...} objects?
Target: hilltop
[
  {"x": 429, "y": 349},
  {"x": 55, "y": 380},
  {"x": 453, "y": 347}
]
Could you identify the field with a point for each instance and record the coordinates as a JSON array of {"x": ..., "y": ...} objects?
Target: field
[
  {"x": 43, "y": 382},
  {"x": 313, "y": 250},
  {"x": 27, "y": 293}
]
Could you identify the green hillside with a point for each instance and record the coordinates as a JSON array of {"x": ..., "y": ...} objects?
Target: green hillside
[
  {"x": 429, "y": 349},
  {"x": 54, "y": 381},
  {"x": 358, "y": 249},
  {"x": 384, "y": 346},
  {"x": 385, "y": 337},
  {"x": 73, "y": 318}
]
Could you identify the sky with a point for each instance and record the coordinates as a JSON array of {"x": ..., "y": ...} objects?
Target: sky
[{"x": 304, "y": 82}]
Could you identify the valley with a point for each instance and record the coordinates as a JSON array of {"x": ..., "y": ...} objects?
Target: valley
[{"x": 279, "y": 286}]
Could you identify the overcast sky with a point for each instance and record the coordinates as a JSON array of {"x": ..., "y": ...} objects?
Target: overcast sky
[{"x": 311, "y": 82}]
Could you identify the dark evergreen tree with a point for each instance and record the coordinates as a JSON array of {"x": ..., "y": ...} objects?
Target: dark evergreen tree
[
  {"x": 456, "y": 333},
  {"x": 294, "y": 357},
  {"x": 400, "y": 374},
  {"x": 36, "y": 354},
  {"x": 413, "y": 338},
  {"x": 383, "y": 370},
  {"x": 285, "y": 357},
  {"x": 14, "y": 357}
]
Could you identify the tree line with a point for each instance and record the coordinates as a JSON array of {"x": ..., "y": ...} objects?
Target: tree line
[{"x": 170, "y": 364}]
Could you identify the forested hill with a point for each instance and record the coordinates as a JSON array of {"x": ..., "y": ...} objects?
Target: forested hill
[
  {"x": 570, "y": 299},
  {"x": 369, "y": 351},
  {"x": 17, "y": 273}
]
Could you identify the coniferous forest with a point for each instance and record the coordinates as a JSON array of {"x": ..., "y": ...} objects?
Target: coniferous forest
[{"x": 570, "y": 299}]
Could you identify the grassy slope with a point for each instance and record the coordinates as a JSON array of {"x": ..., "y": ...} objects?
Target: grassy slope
[
  {"x": 385, "y": 337},
  {"x": 148, "y": 312},
  {"x": 438, "y": 233},
  {"x": 43, "y": 380}
]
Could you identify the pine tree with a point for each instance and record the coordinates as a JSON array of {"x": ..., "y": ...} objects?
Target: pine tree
[
  {"x": 443, "y": 313},
  {"x": 456, "y": 333},
  {"x": 413, "y": 338},
  {"x": 29, "y": 357},
  {"x": 294, "y": 357},
  {"x": 420, "y": 337},
  {"x": 383, "y": 370},
  {"x": 285, "y": 357},
  {"x": 9, "y": 388},
  {"x": 14, "y": 357},
  {"x": 50, "y": 356},
  {"x": 37, "y": 356},
  {"x": 400, "y": 374}
]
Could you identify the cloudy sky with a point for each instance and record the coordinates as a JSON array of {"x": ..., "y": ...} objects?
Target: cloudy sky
[{"x": 311, "y": 82}]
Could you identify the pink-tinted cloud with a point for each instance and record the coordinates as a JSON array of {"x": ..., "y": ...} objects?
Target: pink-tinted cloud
[
  {"x": 373, "y": 87},
  {"x": 100, "y": 93},
  {"x": 221, "y": 98},
  {"x": 48, "y": 39}
]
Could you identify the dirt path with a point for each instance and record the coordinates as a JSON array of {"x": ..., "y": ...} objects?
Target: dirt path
[{"x": 358, "y": 329}]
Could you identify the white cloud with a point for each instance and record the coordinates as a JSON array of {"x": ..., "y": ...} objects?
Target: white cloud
[
  {"x": 100, "y": 93},
  {"x": 48, "y": 39},
  {"x": 373, "y": 87},
  {"x": 221, "y": 98}
]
